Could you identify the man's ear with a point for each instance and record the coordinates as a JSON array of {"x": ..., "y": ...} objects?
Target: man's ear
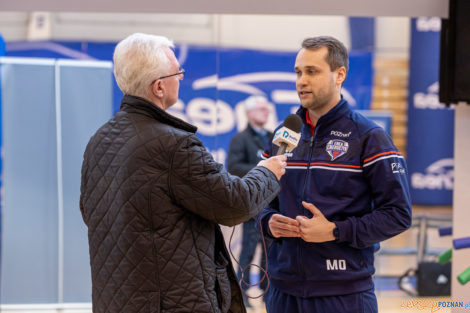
[
  {"x": 340, "y": 75},
  {"x": 158, "y": 89}
]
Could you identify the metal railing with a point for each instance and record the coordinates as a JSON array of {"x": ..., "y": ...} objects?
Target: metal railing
[{"x": 423, "y": 222}]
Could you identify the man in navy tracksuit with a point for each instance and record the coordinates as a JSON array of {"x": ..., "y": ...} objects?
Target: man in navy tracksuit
[{"x": 344, "y": 191}]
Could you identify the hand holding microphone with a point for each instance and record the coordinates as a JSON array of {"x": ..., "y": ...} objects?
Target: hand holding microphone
[{"x": 276, "y": 164}]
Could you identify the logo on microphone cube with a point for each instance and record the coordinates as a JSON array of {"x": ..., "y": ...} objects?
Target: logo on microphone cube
[{"x": 287, "y": 136}]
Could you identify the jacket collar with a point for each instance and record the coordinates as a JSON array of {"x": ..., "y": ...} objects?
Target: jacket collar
[
  {"x": 134, "y": 104},
  {"x": 338, "y": 111}
]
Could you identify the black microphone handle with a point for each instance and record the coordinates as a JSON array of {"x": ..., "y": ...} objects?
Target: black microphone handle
[{"x": 282, "y": 148}]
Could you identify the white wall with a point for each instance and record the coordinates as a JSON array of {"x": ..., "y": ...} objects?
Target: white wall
[
  {"x": 461, "y": 258},
  {"x": 299, "y": 7},
  {"x": 277, "y": 32},
  {"x": 392, "y": 36}
]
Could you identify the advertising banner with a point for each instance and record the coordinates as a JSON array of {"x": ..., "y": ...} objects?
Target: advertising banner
[
  {"x": 430, "y": 123},
  {"x": 2, "y": 53},
  {"x": 217, "y": 80}
]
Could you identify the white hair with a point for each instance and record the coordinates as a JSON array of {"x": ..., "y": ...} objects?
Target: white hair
[
  {"x": 252, "y": 101},
  {"x": 139, "y": 59}
]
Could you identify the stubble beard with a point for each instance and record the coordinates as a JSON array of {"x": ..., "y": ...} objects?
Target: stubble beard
[
  {"x": 319, "y": 101},
  {"x": 314, "y": 104}
]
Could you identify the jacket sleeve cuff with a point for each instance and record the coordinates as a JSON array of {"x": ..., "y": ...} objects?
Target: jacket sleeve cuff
[
  {"x": 265, "y": 225},
  {"x": 345, "y": 231}
]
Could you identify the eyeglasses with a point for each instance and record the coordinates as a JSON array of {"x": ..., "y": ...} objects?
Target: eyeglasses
[{"x": 180, "y": 72}]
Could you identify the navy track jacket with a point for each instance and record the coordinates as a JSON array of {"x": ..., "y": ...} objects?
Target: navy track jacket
[{"x": 351, "y": 171}]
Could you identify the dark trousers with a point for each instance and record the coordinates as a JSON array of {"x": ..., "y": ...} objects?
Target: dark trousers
[
  {"x": 250, "y": 239},
  {"x": 361, "y": 302}
]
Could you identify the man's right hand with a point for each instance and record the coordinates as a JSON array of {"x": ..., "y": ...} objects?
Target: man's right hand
[
  {"x": 283, "y": 226},
  {"x": 276, "y": 164}
]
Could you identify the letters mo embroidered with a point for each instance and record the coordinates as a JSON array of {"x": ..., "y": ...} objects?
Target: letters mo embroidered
[{"x": 335, "y": 265}]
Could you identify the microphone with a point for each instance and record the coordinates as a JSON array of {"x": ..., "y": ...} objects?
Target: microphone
[{"x": 287, "y": 137}]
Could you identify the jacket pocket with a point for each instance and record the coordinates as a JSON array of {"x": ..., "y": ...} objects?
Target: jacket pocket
[{"x": 222, "y": 284}]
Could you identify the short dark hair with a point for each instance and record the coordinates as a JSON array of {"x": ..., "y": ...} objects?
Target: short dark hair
[{"x": 337, "y": 52}]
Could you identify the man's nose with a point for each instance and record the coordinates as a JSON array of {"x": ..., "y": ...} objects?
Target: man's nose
[{"x": 300, "y": 80}]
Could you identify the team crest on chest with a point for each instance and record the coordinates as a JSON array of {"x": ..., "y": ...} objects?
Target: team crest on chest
[{"x": 336, "y": 148}]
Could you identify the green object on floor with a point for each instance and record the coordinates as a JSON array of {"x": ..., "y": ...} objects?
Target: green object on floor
[
  {"x": 445, "y": 257},
  {"x": 464, "y": 277}
]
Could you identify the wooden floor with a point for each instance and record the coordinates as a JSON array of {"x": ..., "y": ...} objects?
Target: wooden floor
[{"x": 397, "y": 301}]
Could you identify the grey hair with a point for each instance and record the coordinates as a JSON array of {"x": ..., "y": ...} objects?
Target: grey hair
[
  {"x": 252, "y": 101},
  {"x": 139, "y": 59},
  {"x": 337, "y": 52}
]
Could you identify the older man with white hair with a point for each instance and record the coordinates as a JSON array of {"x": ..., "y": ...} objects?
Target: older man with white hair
[{"x": 152, "y": 197}]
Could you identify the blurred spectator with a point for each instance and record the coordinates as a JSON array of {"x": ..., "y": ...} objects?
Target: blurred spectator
[{"x": 244, "y": 153}]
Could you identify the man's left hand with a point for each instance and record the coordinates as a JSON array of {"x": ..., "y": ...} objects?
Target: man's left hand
[{"x": 315, "y": 229}]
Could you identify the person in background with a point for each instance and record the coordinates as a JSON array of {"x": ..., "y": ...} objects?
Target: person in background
[
  {"x": 344, "y": 191},
  {"x": 152, "y": 197},
  {"x": 244, "y": 153}
]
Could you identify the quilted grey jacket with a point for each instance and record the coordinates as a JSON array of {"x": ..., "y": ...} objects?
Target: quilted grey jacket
[{"x": 152, "y": 198}]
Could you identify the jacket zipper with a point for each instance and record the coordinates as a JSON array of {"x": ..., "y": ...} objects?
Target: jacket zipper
[
  {"x": 307, "y": 174},
  {"x": 312, "y": 139}
]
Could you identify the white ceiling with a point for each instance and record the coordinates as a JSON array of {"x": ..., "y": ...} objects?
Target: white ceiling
[{"x": 412, "y": 8}]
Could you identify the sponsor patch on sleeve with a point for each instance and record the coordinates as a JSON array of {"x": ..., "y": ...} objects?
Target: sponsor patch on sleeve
[{"x": 397, "y": 168}]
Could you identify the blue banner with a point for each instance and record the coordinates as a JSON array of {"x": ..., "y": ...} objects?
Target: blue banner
[
  {"x": 2, "y": 53},
  {"x": 430, "y": 123},
  {"x": 217, "y": 80},
  {"x": 362, "y": 33},
  {"x": 2, "y": 46}
]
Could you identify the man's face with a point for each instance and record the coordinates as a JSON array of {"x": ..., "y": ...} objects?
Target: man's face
[
  {"x": 316, "y": 84},
  {"x": 259, "y": 114},
  {"x": 172, "y": 83}
]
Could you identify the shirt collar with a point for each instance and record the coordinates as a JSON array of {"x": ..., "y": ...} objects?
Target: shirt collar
[{"x": 309, "y": 122}]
